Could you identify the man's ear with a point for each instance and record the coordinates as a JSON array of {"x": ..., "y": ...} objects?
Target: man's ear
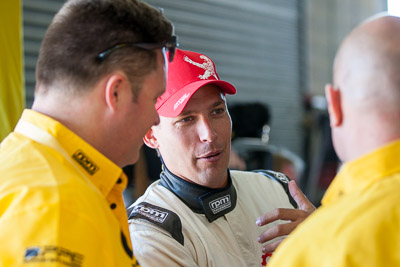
[
  {"x": 150, "y": 140},
  {"x": 333, "y": 97},
  {"x": 115, "y": 87}
]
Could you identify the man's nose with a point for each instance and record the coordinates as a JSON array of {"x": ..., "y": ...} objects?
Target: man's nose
[{"x": 206, "y": 130}]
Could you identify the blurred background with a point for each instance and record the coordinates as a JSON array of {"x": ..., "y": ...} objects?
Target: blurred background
[{"x": 278, "y": 54}]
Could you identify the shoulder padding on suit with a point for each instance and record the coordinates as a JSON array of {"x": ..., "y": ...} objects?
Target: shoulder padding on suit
[
  {"x": 163, "y": 218},
  {"x": 281, "y": 179}
]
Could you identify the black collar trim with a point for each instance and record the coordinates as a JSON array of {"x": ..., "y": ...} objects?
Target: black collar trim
[{"x": 214, "y": 203}]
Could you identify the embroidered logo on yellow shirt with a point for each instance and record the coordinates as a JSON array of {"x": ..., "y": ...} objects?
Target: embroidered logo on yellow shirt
[
  {"x": 85, "y": 162},
  {"x": 53, "y": 254}
]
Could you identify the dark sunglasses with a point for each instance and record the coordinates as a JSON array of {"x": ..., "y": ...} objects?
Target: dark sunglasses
[{"x": 169, "y": 45}]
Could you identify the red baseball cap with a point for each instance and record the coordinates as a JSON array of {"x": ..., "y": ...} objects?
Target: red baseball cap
[{"x": 188, "y": 72}]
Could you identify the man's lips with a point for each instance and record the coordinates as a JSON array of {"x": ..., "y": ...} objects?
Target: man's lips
[{"x": 210, "y": 155}]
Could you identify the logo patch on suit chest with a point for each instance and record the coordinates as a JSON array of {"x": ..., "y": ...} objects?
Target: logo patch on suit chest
[{"x": 220, "y": 204}]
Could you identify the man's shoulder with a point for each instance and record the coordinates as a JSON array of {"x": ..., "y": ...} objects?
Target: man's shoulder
[
  {"x": 39, "y": 171},
  {"x": 43, "y": 179},
  {"x": 157, "y": 195},
  {"x": 266, "y": 180},
  {"x": 21, "y": 156},
  {"x": 158, "y": 216},
  {"x": 261, "y": 174}
]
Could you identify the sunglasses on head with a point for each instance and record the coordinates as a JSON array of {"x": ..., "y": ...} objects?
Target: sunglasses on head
[{"x": 169, "y": 45}]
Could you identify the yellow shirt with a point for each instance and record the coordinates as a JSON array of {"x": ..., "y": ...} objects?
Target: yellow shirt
[
  {"x": 358, "y": 223},
  {"x": 60, "y": 200}
]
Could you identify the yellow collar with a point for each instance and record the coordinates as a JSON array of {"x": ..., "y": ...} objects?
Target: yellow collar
[
  {"x": 362, "y": 172},
  {"x": 93, "y": 165}
]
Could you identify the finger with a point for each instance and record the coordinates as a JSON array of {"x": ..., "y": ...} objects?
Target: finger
[
  {"x": 281, "y": 214},
  {"x": 271, "y": 247},
  {"x": 301, "y": 200},
  {"x": 276, "y": 231}
]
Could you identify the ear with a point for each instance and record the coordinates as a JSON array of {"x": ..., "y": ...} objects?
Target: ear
[
  {"x": 333, "y": 97},
  {"x": 150, "y": 140},
  {"x": 115, "y": 87}
]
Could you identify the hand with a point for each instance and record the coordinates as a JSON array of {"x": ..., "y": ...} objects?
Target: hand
[{"x": 295, "y": 216}]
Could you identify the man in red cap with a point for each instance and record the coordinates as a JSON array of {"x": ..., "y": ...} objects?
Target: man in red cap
[{"x": 200, "y": 213}]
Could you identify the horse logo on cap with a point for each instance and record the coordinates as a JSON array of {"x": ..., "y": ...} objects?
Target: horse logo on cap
[{"x": 207, "y": 65}]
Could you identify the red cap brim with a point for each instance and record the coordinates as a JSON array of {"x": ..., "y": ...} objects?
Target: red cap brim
[{"x": 177, "y": 102}]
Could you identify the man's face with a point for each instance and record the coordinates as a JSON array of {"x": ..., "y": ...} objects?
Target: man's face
[
  {"x": 196, "y": 145},
  {"x": 141, "y": 114}
]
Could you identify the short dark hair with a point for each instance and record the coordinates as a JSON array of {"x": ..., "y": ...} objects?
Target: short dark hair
[{"x": 84, "y": 28}]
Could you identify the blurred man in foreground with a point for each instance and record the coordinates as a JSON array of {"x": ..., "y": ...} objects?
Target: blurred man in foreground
[
  {"x": 100, "y": 70},
  {"x": 358, "y": 223}
]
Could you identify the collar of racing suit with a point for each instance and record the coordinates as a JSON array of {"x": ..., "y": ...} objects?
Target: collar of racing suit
[{"x": 213, "y": 203}]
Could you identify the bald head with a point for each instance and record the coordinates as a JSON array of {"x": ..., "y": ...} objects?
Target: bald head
[
  {"x": 367, "y": 80},
  {"x": 368, "y": 62}
]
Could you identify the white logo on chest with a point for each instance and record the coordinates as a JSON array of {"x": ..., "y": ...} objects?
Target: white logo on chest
[
  {"x": 220, "y": 204},
  {"x": 207, "y": 66}
]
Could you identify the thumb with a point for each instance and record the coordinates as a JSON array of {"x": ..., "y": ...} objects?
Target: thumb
[{"x": 302, "y": 201}]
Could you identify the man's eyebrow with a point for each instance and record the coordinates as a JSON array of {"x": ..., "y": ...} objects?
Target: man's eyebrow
[
  {"x": 213, "y": 105},
  {"x": 217, "y": 103},
  {"x": 185, "y": 112}
]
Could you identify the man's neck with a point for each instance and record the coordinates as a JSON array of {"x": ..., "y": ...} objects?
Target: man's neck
[
  {"x": 213, "y": 203},
  {"x": 73, "y": 113}
]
